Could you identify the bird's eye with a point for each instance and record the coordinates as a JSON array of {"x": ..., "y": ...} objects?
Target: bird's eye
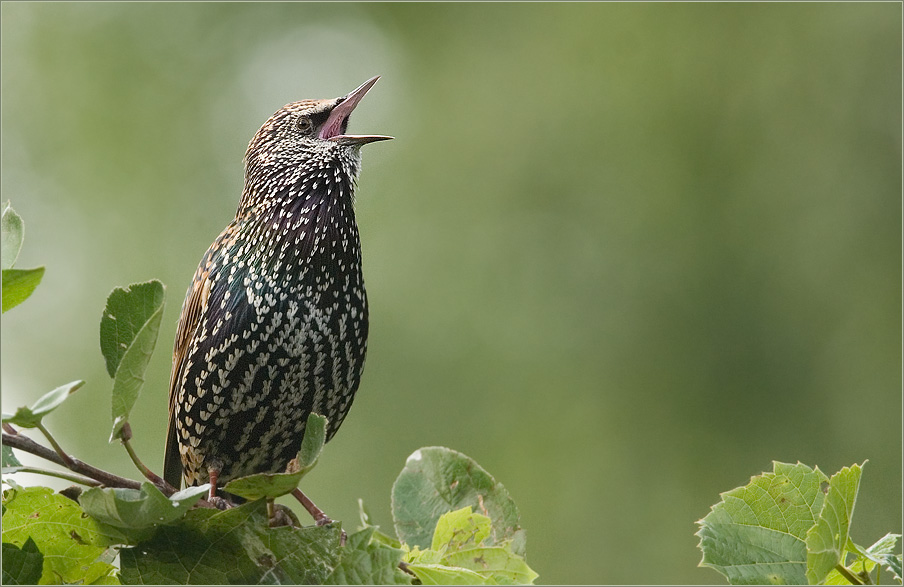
[{"x": 304, "y": 124}]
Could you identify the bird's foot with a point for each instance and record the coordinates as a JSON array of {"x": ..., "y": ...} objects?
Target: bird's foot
[
  {"x": 219, "y": 503},
  {"x": 281, "y": 515}
]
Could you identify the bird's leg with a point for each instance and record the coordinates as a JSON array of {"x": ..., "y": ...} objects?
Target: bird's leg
[
  {"x": 214, "y": 474},
  {"x": 320, "y": 518},
  {"x": 218, "y": 502}
]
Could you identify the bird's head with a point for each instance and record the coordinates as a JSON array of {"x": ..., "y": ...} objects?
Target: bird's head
[{"x": 305, "y": 138}]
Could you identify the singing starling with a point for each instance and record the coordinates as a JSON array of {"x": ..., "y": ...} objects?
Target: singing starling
[{"x": 274, "y": 324}]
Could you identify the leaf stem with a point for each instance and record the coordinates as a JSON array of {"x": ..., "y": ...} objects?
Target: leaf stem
[
  {"x": 151, "y": 476},
  {"x": 28, "y": 445},
  {"x": 59, "y": 474},
  {"x": 67, "y": 460},
  {"x": 847, "y": 574}
]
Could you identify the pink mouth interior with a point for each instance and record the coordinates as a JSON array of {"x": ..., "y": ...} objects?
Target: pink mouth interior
[
  {"x": 339, "y": 115},
  {"x": 333, "y": 125}
]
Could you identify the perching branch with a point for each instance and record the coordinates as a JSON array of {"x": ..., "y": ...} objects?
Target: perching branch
[
  {"x": 28, "y": 445},
  {"x": 25, "y": 444}
]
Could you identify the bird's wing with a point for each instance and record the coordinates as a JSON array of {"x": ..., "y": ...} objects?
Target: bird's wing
[{"x": 194, "y": 307}]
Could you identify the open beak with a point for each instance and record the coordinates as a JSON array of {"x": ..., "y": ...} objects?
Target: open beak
[{"x": 332, "y": 128}]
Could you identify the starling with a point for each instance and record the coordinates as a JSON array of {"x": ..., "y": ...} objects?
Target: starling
[{"x": 274, "y": 324}]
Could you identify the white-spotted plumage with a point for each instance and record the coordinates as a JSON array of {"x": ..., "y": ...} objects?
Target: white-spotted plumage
[{"x": 275, "y": 323}]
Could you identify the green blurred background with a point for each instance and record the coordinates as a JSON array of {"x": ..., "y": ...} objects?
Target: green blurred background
[{"x": 623, "y": 255}]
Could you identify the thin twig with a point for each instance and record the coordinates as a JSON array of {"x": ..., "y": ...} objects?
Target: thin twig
[
  {"x": 150, "y": 475},
  {"x": 28, "y": 445},
  {"x": 67, "y": 460},
  {"x": 59, "y": 474}
]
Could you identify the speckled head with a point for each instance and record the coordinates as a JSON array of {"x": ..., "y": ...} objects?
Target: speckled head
[{"x": 304, "y": 134}]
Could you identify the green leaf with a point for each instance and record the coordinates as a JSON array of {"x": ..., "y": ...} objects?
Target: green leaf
[
  {"x": 378, "y": 536},
  {"x": 757, "y": 533},
  {"x": 235, "y": 546},
  {"x": 458, "y": 529},
  {"x": 137, "y": 509},
  {"x": 127, "y": 312},
  {"x": 827, "y": 539},
  {"x": 438, "y": 480},
  {"x": 9, "y": 481},
  {"x": 18, "y": 284},
  {"x": 367, "y": 562},
  {"x": 9, "y": 458},
  {"x": 885, "y": 545},
  {"x": 866, "y": 559},
  {"x": 22, "y": 566},
  {"x": 313, "y": 441},
  {"x": 883, "y": 552},
  {"x": 12, "y": 231},
  {"x": 895, "y": 564},
  {"x": 421, "y": 557},
  {"x": 434, "y": 574},
  {"x": 206, "y": 549},
  {"x": 271, "y": 485},
  {"x": 301, "y": 556},
  {"x": 265, "y": 485},
  {"x": 459, "y": 553},
  {"x": 128, "y": 334},
  {"x": 70, "y": 541},
  {"x": 31, "y": 417},
  {"x": 496, "y": 564}
]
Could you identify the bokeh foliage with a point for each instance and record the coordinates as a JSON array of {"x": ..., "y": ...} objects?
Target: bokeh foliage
[{"x": 621, "y": 254}]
